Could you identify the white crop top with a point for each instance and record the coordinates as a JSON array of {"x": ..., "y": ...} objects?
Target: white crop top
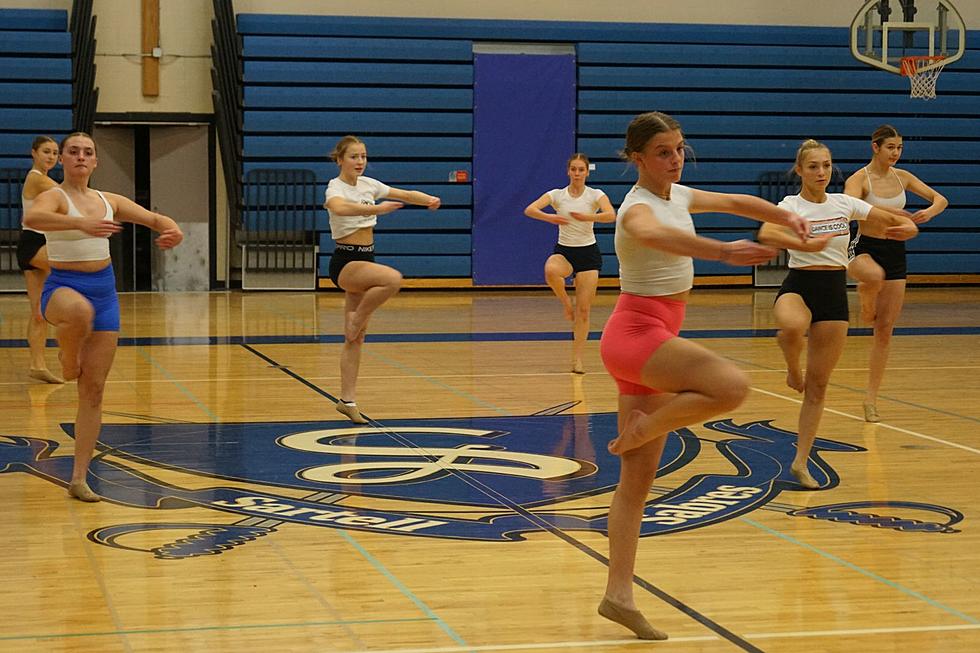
[
  {"x": 894, "y": 202},
  {"x": 26, "y": 204},
  {"x": 575, "y": 233},
  {"x": 367, "y": 191},
  {"x": 650, "y": 272},
  {"x": 832, "y": 216},
  {"x": 74, "y": 244}
]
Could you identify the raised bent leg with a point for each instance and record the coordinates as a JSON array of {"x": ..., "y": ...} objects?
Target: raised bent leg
[
  {"x": 870, "y": 277},
  {"x": 700, "y": 384},
  {"x": 556, "y": 270},
  {"x": 72, "y": 317}
]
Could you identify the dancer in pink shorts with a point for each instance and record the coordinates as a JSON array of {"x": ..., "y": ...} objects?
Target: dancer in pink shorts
[{"x": 665, "y": 382}]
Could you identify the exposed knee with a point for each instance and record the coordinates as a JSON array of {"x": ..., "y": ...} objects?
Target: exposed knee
[
  {"x": 730, "y": 390},
  {"x": 816, "y": 390},
  {"x": 89, "y": 392},
  {"x": 582, "y": 313}
]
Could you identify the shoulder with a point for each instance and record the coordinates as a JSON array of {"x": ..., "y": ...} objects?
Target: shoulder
[
  {"x": 595, "y": 193},
  {"x": 681, "y": 194}
]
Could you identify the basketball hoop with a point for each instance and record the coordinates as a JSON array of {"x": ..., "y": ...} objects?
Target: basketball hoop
[{"x": 922, "y": 77}]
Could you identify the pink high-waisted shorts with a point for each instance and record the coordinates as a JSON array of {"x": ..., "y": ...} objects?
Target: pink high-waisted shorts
[{"x": 637, "y": 327}]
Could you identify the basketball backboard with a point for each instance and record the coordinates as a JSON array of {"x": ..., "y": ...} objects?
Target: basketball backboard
[{"x": 885, "y": 31}]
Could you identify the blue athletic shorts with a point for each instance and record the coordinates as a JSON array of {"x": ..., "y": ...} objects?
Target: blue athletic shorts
[{"x": 99, "y": 288}]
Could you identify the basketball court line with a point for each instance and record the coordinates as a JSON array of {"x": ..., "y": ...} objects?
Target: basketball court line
[
  {"x": 882, "y": 424},
  {"x": 492, "y": 493},
  {"x": 198, "y": 629},
  {"x": 468, "y": 336},
  {"x": 546, "y": 526},
  {"x": 865, "y": 572}
]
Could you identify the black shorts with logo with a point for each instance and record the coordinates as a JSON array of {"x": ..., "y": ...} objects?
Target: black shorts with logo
[{"x": 344, "y": 254}]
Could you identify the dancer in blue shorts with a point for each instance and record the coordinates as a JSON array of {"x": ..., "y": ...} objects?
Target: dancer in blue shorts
[{"x": 79, "y": 296}]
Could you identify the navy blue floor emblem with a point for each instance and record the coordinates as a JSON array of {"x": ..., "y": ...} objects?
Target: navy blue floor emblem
[{"x": 481, "y": 478}]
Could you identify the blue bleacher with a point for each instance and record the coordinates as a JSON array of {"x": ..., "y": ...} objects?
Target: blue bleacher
[
  {"x": 746, "y": 95},
  {"x": 35, "y": 98}
]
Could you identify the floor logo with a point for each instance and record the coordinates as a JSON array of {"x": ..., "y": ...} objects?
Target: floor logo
[{"x": 486, "y": 478}]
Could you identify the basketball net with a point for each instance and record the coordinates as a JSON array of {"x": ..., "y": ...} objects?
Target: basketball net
[{"x": 922, "y": 82}]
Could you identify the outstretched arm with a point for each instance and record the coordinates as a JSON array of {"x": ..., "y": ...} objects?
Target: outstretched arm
[
  {"x": 898, "y": 225},
  {"x": 127, "y": 210},
  {"x": 781, "y": 237},
  {"x": 341, "y": 206},
  {"x": 50, "y": 213},
  {"x": 748, "y": 206},
  {"x": 536, "y": 210},
  {"x": 640, "y": 223},
  {"x": 418, "y": 198}
]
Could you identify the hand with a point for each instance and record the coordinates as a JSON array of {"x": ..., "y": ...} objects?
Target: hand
[
  {"x": 746, "y": 252},
  {"x": 98, "y": 227},
  {"x": 388, "y": 207},
  {"x": 901, "y": 232},
  {"x": 169, "y": 238},
  {"x": 815, "y": 243},
  {"x": 581, "y": 217},
  {"x": 799, "y": 225},
  {"x": 921, "y": 217},
  {"x": 433, "y": 203}
]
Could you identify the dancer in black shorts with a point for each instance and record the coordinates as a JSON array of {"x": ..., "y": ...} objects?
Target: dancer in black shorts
[
  {"x": 32, "y": 255},
  {"x": 811, "y": 307},
  {"x": 879, "y": 263},
  {"x": 577, "y": 207},
  {"x": 351, "y": 201}
]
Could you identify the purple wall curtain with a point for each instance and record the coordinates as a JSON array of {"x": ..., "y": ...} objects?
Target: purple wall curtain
[{"x": 523, "y": 134}]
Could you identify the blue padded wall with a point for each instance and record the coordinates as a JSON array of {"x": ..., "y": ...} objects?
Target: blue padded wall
[{"x": 746, "y": 96}]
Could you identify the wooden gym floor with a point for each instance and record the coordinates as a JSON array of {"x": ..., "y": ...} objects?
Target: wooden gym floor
[{"x": 244, "y": 514}]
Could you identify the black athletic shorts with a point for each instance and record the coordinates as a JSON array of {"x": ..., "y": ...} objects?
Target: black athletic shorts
[
  {"x": 889, "y": 254},
  {"x": 27, "y": 247},
  {"x": 344, "y": 254},
  {"x": 823, "y": 291},
  {"x": 587, "y": 257}
]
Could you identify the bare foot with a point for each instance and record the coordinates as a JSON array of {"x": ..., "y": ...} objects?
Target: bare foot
[
  {"x": 795, "y": 380},
  {"x": 81, "y": 491},
  {"x": 69, "y": 372},
  {"x": 803, "y": 477},
  {"x": 577, "y": 367},
  {"x": 630, "y": 437},
  {"x": 44, "y": 374},
  {"x": 631, "y": 618},
  {"x": 869, "y": 301}
]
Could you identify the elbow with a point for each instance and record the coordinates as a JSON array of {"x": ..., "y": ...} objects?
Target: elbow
[
  {"x": 30, "y": 220},
  {"x": 528, "y": 210}
]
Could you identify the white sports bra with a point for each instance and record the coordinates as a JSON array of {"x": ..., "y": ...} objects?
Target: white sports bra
[
  {"x": 74, "y": 244},
  {"x": 894, "y": 202}
]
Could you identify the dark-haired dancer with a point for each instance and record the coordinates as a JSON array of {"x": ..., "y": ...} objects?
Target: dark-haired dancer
[
  {"x": 352, "y": 202},
  {"x": 577, "y": 207},
  {"x": 665, "y": 382},
  {"x": 79, "y": 295},
  {"x": 879, "y": 262},
  {"x": 811, "y": 306},
  {"x": 32, "y": 255}
]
